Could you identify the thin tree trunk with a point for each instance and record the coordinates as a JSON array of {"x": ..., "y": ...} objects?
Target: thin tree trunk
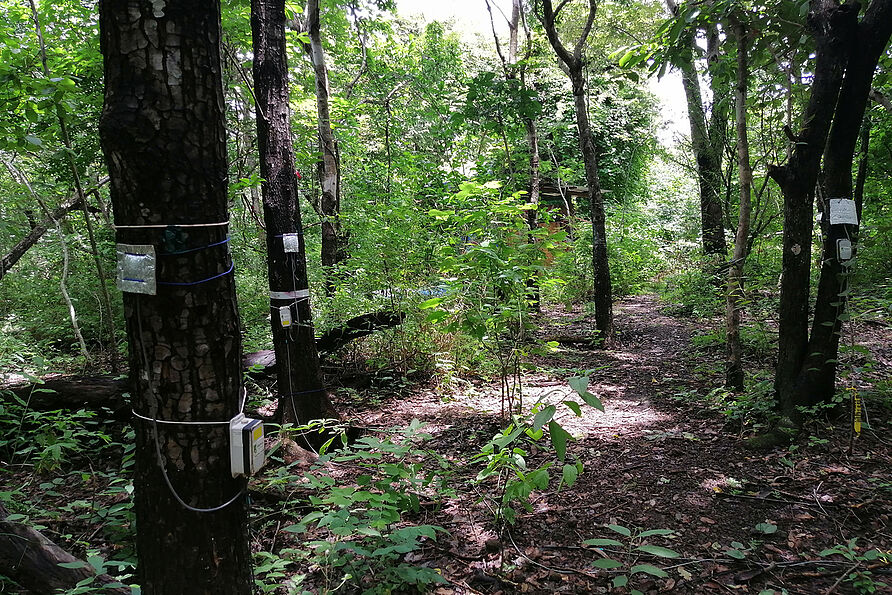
[
  {"x": 164, "y": 139},
  {"x": 302, "y": 396},
  {"x": 111, "y": 347},
  {"x": 707, "y": 144},
  {"x": 734, "y": 373},
  {"x": 574, "y": 66},
  {"x": 329, "y": 170}
]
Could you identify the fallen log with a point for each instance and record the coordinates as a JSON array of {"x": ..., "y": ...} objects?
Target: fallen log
[
  {"x": 93, "y": 392},
  {"x": 33, "y": 561}
]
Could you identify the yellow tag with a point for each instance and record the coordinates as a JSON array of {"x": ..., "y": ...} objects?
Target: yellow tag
[
  {"x": 857, "y": 416},
  {"x": 258, "y": 432}
]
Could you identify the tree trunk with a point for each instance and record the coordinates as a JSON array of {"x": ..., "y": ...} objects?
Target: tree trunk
[
  {"x": 574, "y": 65},
  {"x": 734, "y": 365},
  {"x": 302, "y": 396},
  {"x": 707, "y": 144},
  {"x": 37, "y": 231},
  {"x": 833, "y": 27},
  {"x": 329, "y": 169},
  {"x": 816, "y": 382},
  {"x": 163, "y": 135}
]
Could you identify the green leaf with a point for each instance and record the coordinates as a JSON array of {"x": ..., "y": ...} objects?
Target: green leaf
[
  {"x": 620, "y": 529},
  {"x": 579, "y": 384},
  {"x": 431, "y": 303},
  {"x": 657, "y": 550},
  {"x": 603, "y": 542},
  {"x": 606, "y": 564},
  {"x": 648, "y": 569},
  {"x": 592, "y": 401},
  {"x": 34, "y": 140},
  {"x": 620, "y": 581},
  {"x": 574, "y": 407},
  {"x": 650, "y": 532},
  {"x": 570, "y": 474},
  {"x": 559, "y": 437},
  {"x": 766, "y": 528},
  {"x": 543, "y": 416},
  {"x": 736, "y": 554}
]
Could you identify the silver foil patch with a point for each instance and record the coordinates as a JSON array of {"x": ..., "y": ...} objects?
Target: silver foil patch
[{"x": 137, "y": 267}]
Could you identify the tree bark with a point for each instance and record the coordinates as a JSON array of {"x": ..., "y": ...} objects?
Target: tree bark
[
  {"x": 163, "y": 134},
  {"x": 832, "y": 26},
  {"x": 302, "y": 394},
  {"x": 734, "y": 373},
  {"x": 816, "y": 382},
  {"x": 574, "y": 65},
  {"x": 329, "y": 169},
  {"x": 37, "y": 231},
  {"x": 707, "y": 143}
]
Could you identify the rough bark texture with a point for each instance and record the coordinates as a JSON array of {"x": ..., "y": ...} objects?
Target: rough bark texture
[
  {"x": 735, "y": 297},
  {"x": 329, "y": 170},
  {"x": 299, "y": 382},
  {"x": 574, "y": 65},
  {"x": 163, "y": 135},
  {"x": 32, "y": 560},
  {"x": 816, "y": 380},
  {"x": 832, "y": 26}
]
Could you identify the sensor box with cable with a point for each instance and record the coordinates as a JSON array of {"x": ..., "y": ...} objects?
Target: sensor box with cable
[{"x": 246, "y": 449}]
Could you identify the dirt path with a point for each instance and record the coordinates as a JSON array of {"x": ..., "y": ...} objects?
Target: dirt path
[{"x": 742, "y": 521}]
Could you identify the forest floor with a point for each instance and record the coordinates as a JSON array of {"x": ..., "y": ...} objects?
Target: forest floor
[
  {"x": 662, "y": 456},
  {"x": 659, "y": 458}
]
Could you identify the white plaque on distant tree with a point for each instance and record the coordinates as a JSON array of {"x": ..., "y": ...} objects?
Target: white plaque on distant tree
[{"x": 843, "y": 212}]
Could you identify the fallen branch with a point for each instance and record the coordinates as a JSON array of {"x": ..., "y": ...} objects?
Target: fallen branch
[{"x": 33, "y": 561}]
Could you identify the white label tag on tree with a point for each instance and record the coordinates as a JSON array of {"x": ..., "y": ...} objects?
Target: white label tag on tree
[{"x": 843, "y": 212}]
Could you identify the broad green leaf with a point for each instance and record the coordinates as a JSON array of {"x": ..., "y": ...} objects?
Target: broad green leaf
[
  {"x": 657, "y": 550},
  {"x": 543, "y": 416},
  {"x": 648, "y": 569},
  {"x": 620, "y": 581},
  {"x": 570, "y": 474},
  {"x": 620, "y": 529},
  {"x": 431, "y": 303},
  {"x": 559, "y": 437},
  {"x": 606, "y": 564},
  {"x": 766, "y": 528},
  {"x": 603, "y": 542},
  {"x": 574, "y": 407}
]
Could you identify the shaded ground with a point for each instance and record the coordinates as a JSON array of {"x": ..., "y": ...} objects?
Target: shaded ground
[
  {"x": 659, "y": 459},
  {"x": 661, "y": 456}
]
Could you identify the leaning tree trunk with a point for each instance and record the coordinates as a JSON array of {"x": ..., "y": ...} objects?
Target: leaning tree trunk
[
  {"x": 302, "y": 395},
  {"x": 735, "y": 298},
  {"x": 816, "y": 382},
  {"x": 164, "y": 139}
]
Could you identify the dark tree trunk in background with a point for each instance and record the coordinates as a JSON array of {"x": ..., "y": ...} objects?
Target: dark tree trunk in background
[
  {"x": 734, "y": 373},
  {"x": 816, "y": 382},
  {"x": 574, "y": 64},
  {"x": 164, "y": 140},
  {"x": 707, "y": 143},
  {"x": 299, "y": 381}
]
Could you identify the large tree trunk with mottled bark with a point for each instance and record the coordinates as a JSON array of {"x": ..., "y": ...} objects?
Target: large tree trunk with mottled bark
[
  {"x": 163, "y": 135},
  {"x": 302, "y": 395}
]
